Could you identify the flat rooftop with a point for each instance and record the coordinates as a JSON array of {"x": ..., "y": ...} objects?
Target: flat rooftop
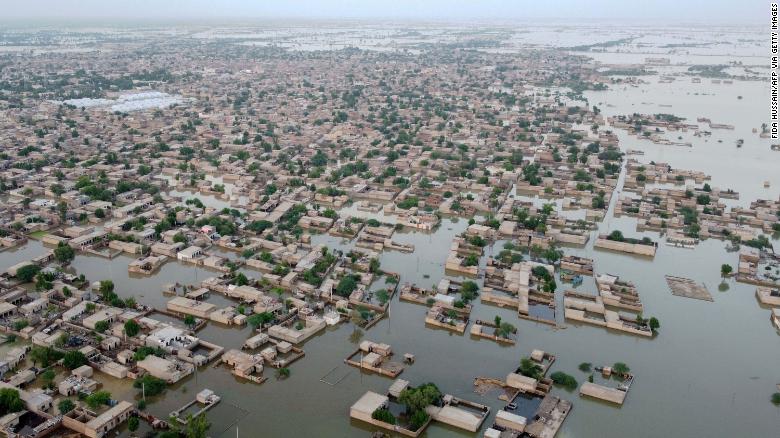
[{"x": 602, "y": 392}]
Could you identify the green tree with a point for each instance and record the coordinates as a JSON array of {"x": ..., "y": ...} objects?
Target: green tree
[
  {"x": 529, "y": 369},
  {"x": 620, "y": 368},
  {"x": 189, "y": 320},
  {"x": 471, "y": 260},
  {"x": 10, "y": 401},
  {"x": 725, "y": 270},
  {"x": 132, "y": 328},
  {"x": 62, "y": 340},
  {"x": 150, "y": 385},
  {"x": 240, "y": 279},
  {"x": 48, "y": 378},
  {"x": 563, "y": 379},
  {"x": 346, "y": 285},
  {"x": 654, "y": 324},
  {"x": 132, "y": 424},
  {"x": 196, "y": 426},
  {"x": 66, "y": 405},
  {"x": 74, "y": 359},
  {"x": 44, "y": 356},
  {"x": 382, "y": 296},
  {"x": 20, "y": 324},
  {"x": 101, "y": 326},
  {"x": 44, "y": 281},
  {"x": 418, "y": 419},
  {"x": 27, "y": 273},
  {"x": 383, "y": 414},
  {"x": 505, "y": 329},
  {"x": 259, "y": 319},
  {"x": 416, "y": 399},
  {"x": 98, "y": 399},
  {"x": 106, "y": 287},
  {"x": 282, "y": 373},
  {"x": 63, "y": 253},
  {"x": 259, "y": 226},
  {"x": 62, "y": 209},
  {"x": 468, "y": 291}
]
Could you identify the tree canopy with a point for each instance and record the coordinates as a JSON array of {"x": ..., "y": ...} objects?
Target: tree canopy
[
  {"x": 27, "y": 273},
  {"x": 74, "y": 359},
  {"x": 10, "y": 401}
]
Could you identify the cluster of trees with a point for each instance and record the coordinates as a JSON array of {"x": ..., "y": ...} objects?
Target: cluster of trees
[
  {"x": 383, "y": 296},
  {"x": 106, "y": 290},
  {"x": 468, "y": 291},
  {"x": 142, "y": 352},
  {"x": 617, "y": 236},
  {"x": 27, "y": 273},
  {"x": 346, "y": 285},
  {"x": 503, "y": 329},
  {"x": 416, "y": 399},
  {"x": 98, "y": 399},
  {"x": 313, "y": 275},
  {"x": 260, "y": 319},
  {"x": 63, "y": 253},
  {"x": 471, "y": 260},
  {"x": 408, "y": 203},
  {"x": 652, "y": 322},
  {"x": 545, "y": 277},
  {"x": 563, "y": 379},
  {"x": 66, "y": 405},
  {"x": 45, "y": 356},
  {"x": 383, "y": 414},
  {"x": 195, "y": 427},
  {"x": 132, "y": 328},
  {"x": 259, "y": 226},
  {"x": 620, "y": 368},
  {"x": 529, "y": 369},
  {"x": 10, "y": 401},
  {"x": 360, "y": 315},
  {"x": 150, "y": 385},
  {"x": 74, "y": 359}
]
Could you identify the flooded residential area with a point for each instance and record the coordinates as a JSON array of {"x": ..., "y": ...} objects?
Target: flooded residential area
[{"x": 369, "y": 228}]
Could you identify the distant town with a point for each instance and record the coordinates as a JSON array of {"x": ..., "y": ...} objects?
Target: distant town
[{"x": 381, "y": 230}]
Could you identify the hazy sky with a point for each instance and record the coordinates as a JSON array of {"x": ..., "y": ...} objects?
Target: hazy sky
[{"x": 677, "y": 11}]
